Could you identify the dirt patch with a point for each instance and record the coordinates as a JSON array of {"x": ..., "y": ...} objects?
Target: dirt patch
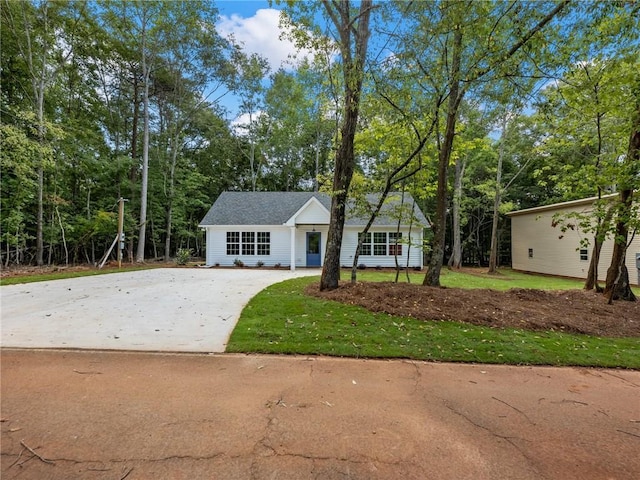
[
  {"x": 29, "y": 270},
  {"x": 574, "y": 311}
]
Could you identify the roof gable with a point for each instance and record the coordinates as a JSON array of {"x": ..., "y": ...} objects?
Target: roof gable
[{"x": 312, "y": 212}]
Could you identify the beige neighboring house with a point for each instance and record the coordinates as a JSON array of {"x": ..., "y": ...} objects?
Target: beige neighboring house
[{"x": 537, "y": 246}]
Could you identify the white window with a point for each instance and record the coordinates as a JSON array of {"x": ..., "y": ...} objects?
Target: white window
[
  {"x": 233, "y": 243},
  {"x": 383, "y": 244},
  {"x": 249, "y": 243},
  {"x": 395, "y": 245},
  {"x": 380, "y": 243},
  {"x": 365, "y": 249},
  {"x": 264, "y": 243}
]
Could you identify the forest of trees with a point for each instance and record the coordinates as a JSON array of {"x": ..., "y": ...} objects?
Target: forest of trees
[{"x": 476, "y": 108}]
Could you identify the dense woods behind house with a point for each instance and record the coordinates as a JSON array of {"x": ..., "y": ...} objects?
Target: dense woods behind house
[{"x": 475, "y": 108}]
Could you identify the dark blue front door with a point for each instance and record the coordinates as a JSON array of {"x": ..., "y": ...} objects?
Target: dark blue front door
[{"x": 313, "y": 249}]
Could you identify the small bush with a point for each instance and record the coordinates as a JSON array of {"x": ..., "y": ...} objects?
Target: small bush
[
  {"x": 378, "y": 267},
  {"x": 362, "y": 266},
  {"x": 217, "y": 264},
  {"x": 238, "y": 263},
  {"x": 277, "y": 265},
  {"x": 260, "y": 263},
  {"x": 183, "y": 255}
]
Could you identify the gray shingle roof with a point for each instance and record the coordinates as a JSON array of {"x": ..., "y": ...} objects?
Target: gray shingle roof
[
  {"x": 258, "y": 208},
  {"x": 275, "y": 208}
]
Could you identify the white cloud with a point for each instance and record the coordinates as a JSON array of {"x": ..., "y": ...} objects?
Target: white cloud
[
  {"x": 261, "y": 34},
  {"x": 240, "y": 125}
]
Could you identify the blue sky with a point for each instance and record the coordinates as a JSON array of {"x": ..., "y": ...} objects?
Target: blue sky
[{"x": 245, "y": 8}]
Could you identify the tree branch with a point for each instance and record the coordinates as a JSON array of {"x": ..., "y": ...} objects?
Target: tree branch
[{"x": 521, "y": 42}]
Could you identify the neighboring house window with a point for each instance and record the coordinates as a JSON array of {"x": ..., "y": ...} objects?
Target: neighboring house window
[
  {"x": 584, "y": 254},
  {"x": 248, "y": 243},
  {"x": 531, "y": 253},
  {"x": 264, "y": 243},
  {"x": 380, "y": 243},
  {"x": 395, "y": 247},
  {"x": 365, "y": 249},
  {"x": 233, "y": 243}
]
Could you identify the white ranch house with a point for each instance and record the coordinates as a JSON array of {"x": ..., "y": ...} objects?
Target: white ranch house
[
  {"x": 537, "y": 246},
  {"x": 290, "y": 229}
]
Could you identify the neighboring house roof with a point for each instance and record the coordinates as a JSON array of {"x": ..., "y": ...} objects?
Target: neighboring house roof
[
  {"x": 562, "y": 205},
  {"x": 276, "y": 208}
]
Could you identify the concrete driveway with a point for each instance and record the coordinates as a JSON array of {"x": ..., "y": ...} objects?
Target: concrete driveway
[{"x": 168, "y": 309}]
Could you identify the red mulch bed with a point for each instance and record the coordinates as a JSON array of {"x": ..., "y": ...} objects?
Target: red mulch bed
[{"x": 574, "y": 311}]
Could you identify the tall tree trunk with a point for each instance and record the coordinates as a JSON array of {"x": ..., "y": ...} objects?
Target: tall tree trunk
[
  {"x": 353, "y": 71},
  {"x": 493, "y": 257},
  {"x": 456, "y": 255},
  {"x": 395, "y": 256},
  {"x": 167, "y": 240},
  {"x": 341, "y": 180},
  {"x": 432, "y": 277},
  {"x": 134, "y": 128},
  {"x": 38, "y": 75},
  {"x": 316, "y": 186},
  {"x": 617, "y": 285},
  {"x": 146, "y": 72},
  {"x": 172, "y": 188},
  {"x": 591, "y": 282},
  {"x": 592, "y": 276},
  {"x": 41, "y": 134}
]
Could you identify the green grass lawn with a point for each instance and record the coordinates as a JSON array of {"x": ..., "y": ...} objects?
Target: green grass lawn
[
  {"x": 504, "y": 280},
  {"x": 281, "y": 319}
]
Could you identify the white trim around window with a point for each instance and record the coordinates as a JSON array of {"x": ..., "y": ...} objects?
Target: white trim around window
[
  {"x": 248, "y": 243},
  {"x": 381, "y": 244}
]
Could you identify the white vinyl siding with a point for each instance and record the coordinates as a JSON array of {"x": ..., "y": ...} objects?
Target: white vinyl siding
[
  {"x": 270, "y": 254},
  {"x": 350, "y": 242}
]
